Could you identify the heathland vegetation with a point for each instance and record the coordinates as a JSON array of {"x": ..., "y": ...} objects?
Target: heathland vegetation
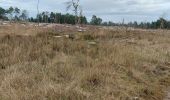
[
  {"x": 58, "y": 62},
  {"x": 56, "y": 56}
]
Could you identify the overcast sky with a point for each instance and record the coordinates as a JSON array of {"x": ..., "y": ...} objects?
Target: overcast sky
[{"x": 114, "y": 10}]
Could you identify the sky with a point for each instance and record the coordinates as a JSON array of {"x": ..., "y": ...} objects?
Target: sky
[{"x": 108, "y": 10}]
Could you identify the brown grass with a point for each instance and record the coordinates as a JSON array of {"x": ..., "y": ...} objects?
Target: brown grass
[{"x": 100, "y": 64}]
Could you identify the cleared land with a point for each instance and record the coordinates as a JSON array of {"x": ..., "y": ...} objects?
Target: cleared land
[{"x": 92, "y": 63}]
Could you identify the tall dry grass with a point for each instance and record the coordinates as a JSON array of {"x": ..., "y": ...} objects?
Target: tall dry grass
[{"x": 100, "y": 64}]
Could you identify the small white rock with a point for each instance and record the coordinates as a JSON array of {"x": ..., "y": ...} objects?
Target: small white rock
[{"x": 57, "y": 36}]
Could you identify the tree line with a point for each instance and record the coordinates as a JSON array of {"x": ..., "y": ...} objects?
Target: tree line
[
  {"x": 16, "y": 14},
  {"x": 161, "y": 23},
  {"x": 52, "y": 17}
]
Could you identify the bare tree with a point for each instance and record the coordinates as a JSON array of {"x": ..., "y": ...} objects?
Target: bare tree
[
  {"x": 75, "y": 4},
  {"x": 38, "y": 17},
  {"x": 80, "y": 15},
  {"x": 162, "y": 21}
]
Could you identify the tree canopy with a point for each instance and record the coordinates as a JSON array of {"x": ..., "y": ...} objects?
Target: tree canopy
[{"x": 96, "y": 20}]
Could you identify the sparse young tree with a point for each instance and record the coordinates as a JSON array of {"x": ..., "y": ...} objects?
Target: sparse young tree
[
  {"x": 24, "y": 15},
  {"x": 58, "y": 17},
  {"x": 10, "y": 12},
  {"x": 45, "y": 16},
  {"x": 16, "y": 12},
  {"x": 39, "y": 18},
  {"x": 52, "y": 17},
  {"x": 95, "y": 20},
  {"x": 2, "y": 13}
]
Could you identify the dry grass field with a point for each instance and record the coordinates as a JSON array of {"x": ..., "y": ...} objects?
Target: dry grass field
[{"x": 60, "y": 63}]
